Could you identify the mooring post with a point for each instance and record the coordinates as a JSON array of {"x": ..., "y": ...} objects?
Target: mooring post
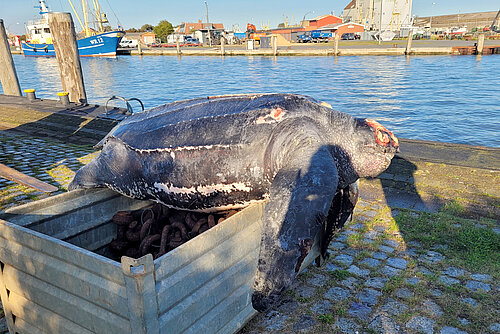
[
  {"x": 408, "y": 44},
  {"x": 8, "y": 76},
  {"x": 222, "y": 46},
  {"x": 178, "y": 46},
  {"x": 480, "y": 44},
  {"x": 275, "y": 45},
  {"x": 336, "y": 47},
  {"x": 64, "y": 39},
  {"x": 139, "y": 49}
]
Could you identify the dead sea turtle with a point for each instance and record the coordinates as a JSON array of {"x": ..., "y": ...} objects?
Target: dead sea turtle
[{"x": 225, "y": 152}]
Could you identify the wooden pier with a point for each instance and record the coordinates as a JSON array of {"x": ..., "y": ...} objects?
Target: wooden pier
[{"x": 75, "y": 123}]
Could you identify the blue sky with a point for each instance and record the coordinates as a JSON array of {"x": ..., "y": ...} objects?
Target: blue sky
[{"x": 133, "y": 13}]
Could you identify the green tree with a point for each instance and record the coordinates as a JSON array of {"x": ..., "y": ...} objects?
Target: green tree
[
  {"x": 163, "y": 29},
  {"x": 146, "y": 27}
]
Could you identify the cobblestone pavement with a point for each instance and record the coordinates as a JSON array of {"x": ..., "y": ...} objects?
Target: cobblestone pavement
[
  {"x": 382, "y": 276},
  {"x": 47, "y": 160},
  {"x": 376, "y": 282}
]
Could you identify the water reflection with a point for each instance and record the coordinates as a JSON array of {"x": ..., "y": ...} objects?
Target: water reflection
[
  {"x": 428, "y": 97},
  {"x": 99, "y": 79}
]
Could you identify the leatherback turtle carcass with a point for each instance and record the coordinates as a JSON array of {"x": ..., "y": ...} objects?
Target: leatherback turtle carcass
[{"x": 225, "y": 152}]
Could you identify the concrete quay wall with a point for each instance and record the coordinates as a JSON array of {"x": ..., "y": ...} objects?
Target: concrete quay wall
[{"x": 299, "y": 52}]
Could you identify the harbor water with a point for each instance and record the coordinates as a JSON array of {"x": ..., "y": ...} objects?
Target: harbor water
[{"x": 439, "y": 98}]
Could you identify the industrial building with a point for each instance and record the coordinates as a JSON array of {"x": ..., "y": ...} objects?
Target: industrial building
[
  {"x": 478, "y": 20},
  {"x": 380, "y": 15}
]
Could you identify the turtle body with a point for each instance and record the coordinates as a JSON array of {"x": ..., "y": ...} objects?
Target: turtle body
[{"x": 219, "y": 153}]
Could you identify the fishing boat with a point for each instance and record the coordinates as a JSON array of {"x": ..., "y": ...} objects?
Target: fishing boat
[{"x": 97, "y": 37}]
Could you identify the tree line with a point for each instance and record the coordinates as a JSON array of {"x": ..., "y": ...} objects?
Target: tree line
[{"x": 161, "y": 30}]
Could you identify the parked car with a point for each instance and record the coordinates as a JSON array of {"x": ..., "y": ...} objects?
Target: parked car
[
  {"x": 192, "y": 42},
  {"x": 348, "y": 36},
  {"x": 128, "y": 43}
]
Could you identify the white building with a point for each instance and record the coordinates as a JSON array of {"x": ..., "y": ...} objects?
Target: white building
[{"x": 395, "y": 14}]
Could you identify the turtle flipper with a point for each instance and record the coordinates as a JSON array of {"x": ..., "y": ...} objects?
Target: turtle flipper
[{"x": 300, "y": 194}]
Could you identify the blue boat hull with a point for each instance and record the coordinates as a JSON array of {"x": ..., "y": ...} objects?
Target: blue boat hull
[{"x": 104, "y": 44}]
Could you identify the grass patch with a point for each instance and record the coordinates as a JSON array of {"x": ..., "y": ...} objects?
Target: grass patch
[
  {"x": 326, "y": 318},
  {"x": 393, "y": 283},
  {"x": 340, "y": 275},
  {"x": 472, "y": 248},
  {"x": 361, "y": 256},
  {"x": 303, "y": 299},
  {"x": 354, "y": 239},
  {"x": 453, "y": 208}
]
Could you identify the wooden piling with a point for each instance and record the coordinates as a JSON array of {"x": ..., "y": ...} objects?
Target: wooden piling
[
  {"x": 8, "y": 75},
  {"x": 336, "y": 50},
  {"x": 66, "y": 48},
  {"x": 222, "y": 46},
  {"x": 178, "y": 46},
  {"x": 274, "y": 40},
  {"x": 480, "y": 44},
  {"x": 408, "y": 44},
  {"x": 139, "y": 48}
]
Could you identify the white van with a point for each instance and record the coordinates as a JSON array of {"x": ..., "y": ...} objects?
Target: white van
[{"x": 128, "y": 43}]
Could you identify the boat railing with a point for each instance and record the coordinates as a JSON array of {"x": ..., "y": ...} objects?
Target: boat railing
[{"x": 36, "y": 22}]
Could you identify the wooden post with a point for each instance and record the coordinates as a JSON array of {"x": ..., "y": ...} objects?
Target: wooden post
[
  {"x": 222, "y": 46},
  {"x": 64, "y": 38},
  {"x": 274, "y": 41},
  {"x": 336, "y": 47},
  {"x": 8, "y": 76},
  {"x": 408, "y": 45},
  {"x": 480, "y": 44},
  {"x": 178, "y": 46},
  {"x": 139, "y": 48}
]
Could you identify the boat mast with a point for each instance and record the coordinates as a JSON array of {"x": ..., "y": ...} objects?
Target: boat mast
[
  {"x": 380, "y": 27},
  {"x": 76, "y": 14},
  {"x": 84, "y": 8},
  {"x": 98, "y": 14}
]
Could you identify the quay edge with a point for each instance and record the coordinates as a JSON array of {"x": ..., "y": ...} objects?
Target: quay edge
[{"x": 390, "y": 51}]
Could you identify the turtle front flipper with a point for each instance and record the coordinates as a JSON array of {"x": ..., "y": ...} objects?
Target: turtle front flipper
[{"x": 301, "y": 193}]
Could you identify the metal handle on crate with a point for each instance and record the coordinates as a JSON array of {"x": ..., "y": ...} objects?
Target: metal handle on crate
[
  {"x": 129, "y": 107},
  {"x": 137, "y": 267}
]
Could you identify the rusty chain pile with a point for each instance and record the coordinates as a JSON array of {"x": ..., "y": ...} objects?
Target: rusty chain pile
[{"x": 158, "y": 230}]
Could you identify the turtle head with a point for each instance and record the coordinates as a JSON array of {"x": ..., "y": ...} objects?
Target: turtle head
[{"x": 375, "y": 147}]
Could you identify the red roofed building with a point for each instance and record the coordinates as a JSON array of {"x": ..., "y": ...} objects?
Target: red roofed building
[
  {"x": 188, "y": 28},
  {"x": 320, "y": 21},
  {"x": 343, "y": 28}
]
